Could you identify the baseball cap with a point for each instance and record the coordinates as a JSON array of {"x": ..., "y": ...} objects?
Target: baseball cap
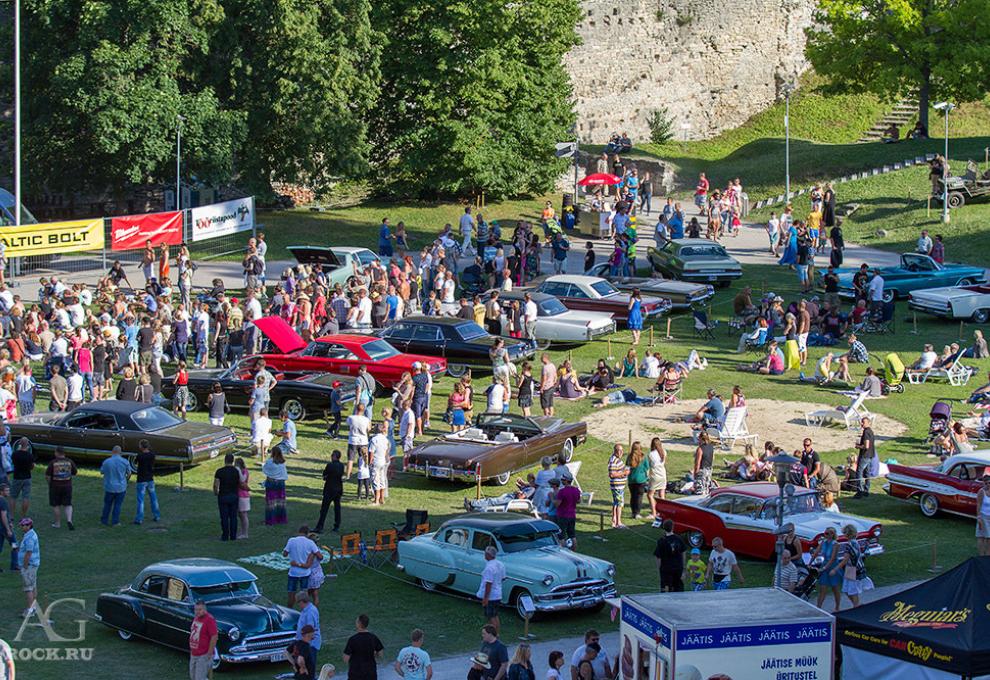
[
  {"x": 567, "y": 476},
  {"x": 695, "y": 551},
  {"x": 27, "y": 522}
]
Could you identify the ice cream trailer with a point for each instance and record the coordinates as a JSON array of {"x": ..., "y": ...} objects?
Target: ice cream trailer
[{"x": 743, "y": 634}]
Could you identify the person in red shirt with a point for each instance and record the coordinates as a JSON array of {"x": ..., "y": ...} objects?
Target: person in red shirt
[
  {"x": 202, "y": 642},
  {"x": 701, "y": 193},
  {"x": 567, "y": 500}
]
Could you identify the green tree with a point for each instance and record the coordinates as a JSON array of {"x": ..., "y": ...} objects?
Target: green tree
[
  {"x": 474, "y": 95},
  {"x": 104, "y": 83},
  {"x": 305, "y": 74},
  {"x": 934, "y": 48}
]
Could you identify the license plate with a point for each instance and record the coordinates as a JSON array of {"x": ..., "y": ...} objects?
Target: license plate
[
  {"x": 439, "y": 472},
  {"x": 277, "y": 657},
  {"x": 712, "y": 278}
]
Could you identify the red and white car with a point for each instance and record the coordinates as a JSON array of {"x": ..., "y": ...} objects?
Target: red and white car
[
  {"x": 744, "y": 516},
  {"x": 343, "y": 353},
  {"x": 950, "y": 486}
]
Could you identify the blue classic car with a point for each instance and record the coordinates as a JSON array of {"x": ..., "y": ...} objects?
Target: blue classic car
[
  {"x": 915, "y": 272},
  {"x": 158, "y": 606},
  {"x": 555, "y": 578}
]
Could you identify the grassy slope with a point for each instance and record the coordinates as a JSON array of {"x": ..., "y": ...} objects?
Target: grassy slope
[{"x": 83, "y": 563}]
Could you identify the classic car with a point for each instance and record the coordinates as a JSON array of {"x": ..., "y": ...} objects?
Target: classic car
[
  {"x": 495, "y": 446},
  {"x": 950, "y": 486},
  {"x": 464, "y": 344},
  {"x": 554, "y": 578},
  {"x": 302, "y": 395},
  {"x": 90, "y": 431},
  {"x": 682, "y": 294},
  {"x": 695, "y": 259},
  {"x": 915, "y": 272},
  {"x": 337, "y": 261},
  {"x": 593, "y": 294},
  {"x": 343, "y": 353},
  {"x": 970, "y": 303},
  {"x": 158, "y": 606},
  {"x": 745, "y": 516},
  {"x": 557, "y": 323}
]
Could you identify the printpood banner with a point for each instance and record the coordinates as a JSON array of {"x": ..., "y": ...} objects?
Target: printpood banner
[
  {"x": 133, "y": 231},
  {"x": 224, "y": 218}
]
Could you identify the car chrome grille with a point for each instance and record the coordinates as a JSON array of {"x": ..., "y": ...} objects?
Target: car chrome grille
[
  {"x": 585, "y": 587},
  {"x": 266, "y": 643}
]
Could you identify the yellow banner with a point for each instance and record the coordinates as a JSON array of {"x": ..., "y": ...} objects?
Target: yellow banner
[{"x": 52, "y": 238}]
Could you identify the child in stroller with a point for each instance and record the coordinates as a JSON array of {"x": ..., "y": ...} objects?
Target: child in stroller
[
  {"x": 940, "y": 415},
  {"x": 892, "y": 375}
]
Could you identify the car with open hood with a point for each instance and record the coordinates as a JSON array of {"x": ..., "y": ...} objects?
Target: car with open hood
[
  {"x": 594, "y": 294},
  {"x": 495, "y": 446},
  {"x": 537, "y": 568},
  {"x": 682, "y": 294},
  {"x": 338, "y": 262},
  {"x": 90, "y": 431},
  {"x": 695, "y": 259},
  {"x": 342, "y": 354},
  {"x": 463, "y": 343},
  {"x": 915, "y": 272},
  {"x": 555, "y": 323},
  {"x": 745, "y": 517},
  {"x": 157, "y": 606}
]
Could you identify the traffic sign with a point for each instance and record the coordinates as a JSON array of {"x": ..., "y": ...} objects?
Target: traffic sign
[{"x": 565, "y": 149}]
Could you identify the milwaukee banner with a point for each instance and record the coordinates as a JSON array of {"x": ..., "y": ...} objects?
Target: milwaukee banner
[
  {"x": 52, "y": 238},
  {"x": 224, "y": 218},
  {"x": 132, "y": 231}
]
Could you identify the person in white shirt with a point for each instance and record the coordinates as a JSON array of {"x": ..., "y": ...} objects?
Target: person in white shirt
[
  {"x": 6, "y": 298},
  {"x": 721, "y": 564},
  {"x": 601, "y": 664},
  {"x": 788, "y": 577},
  {"x": 490, "y": 590},
  {"x": 467, "y": 229},
  {"x": 498, "y": 395},
  {"x": 773, "y": 233},
  {"x": 447, "y": 294},
  {"x": 85, "y": 296},
  {"x": 75, "y": 381},
  {"x": 364, "y": 306},
  {"x": 378, "y": 450},
  {"x": 301, "y": 551},
  {"x": 926, "y": 360},
  {"x": 77, "y": 315},
  {"x": 651, "y": 366},
  {"x": 875, "y": 291},
  {"x": 530, "y": 313},
  {"x": 407, "y": 429},
  {"x": 261, "y": 434},
  {"x": 924, "y": 245},
  {"x": 252, "y": 305},
  {"x": 261, "y": 250},
  {"x": 358, "y": 427}
]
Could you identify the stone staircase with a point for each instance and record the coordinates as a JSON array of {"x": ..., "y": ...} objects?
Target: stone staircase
[{"x": 901, "y": 114}]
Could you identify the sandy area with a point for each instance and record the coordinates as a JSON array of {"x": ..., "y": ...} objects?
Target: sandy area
[{"x": 779, "y": 421}]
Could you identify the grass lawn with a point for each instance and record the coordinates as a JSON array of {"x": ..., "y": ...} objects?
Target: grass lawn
[{"x": 94, "y": 558}]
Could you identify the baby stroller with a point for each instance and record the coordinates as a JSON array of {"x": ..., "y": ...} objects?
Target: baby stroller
[
  {"x": 940, "y": 415},
  {"x": 892, "y": 376}
]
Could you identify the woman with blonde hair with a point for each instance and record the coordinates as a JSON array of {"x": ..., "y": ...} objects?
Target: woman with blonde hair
[
  {"x": 853, "y": 569},
  {"x": 657, "y": 477},
  {"x": 639, "y": 469},
  {"x": 828, "y": 502},
  {"x": 521, "y": 666}
]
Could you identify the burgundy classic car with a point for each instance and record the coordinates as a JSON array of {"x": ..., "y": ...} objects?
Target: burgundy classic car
[
  {"x": 745, "y": 517},
  {"x": 593, "y": 294},
  {"x": 950, "y": 486}
]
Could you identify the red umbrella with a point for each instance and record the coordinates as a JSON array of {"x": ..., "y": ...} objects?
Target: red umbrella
[{"x": 600, "y": 178}]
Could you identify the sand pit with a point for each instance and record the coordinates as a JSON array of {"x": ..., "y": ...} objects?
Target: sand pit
[{"x": 779, "y": 421}]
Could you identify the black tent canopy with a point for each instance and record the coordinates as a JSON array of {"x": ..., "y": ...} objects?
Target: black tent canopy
[{"x": 942, "y": 624}]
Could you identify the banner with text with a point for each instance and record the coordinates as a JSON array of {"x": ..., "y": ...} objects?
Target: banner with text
[
  {"x": 224, "y": 218},
  {"x": 52, "y": 238},
  {"x": 132, "y": 231}
]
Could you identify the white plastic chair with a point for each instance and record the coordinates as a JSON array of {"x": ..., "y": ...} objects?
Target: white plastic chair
[
  {"x": 850, "y": 415},
  {"x": 732, "y": 430},
  {"x": 575, "y": 467}
]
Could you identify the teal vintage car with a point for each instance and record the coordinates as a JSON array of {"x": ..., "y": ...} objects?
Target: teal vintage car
[
  {"x": 915, "y": 272},
  {"x": 553, "y": 577}
]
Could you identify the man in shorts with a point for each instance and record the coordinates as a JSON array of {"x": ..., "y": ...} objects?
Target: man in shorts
[
  {"x": 548, "y": 384},
  {"x": 803, "y": 329},
  {"x": 301, "y": 551},
  {"x": 30, "y": 560},
  {"x": 358, "y": 427},
  {"x": 22, "y": 460},
  {"x": 567, "y": 500},
  {"x": 59, "y": 475},
  {"x": 490, "y": 590}
]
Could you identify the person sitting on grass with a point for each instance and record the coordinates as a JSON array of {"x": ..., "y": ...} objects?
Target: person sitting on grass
[
  {"x": 750, "y": 467},
  {"x": 771, "y": 364},
  {"x": 568, "y": 384},
  {"x": 981, "y": 394},
  {"x": 871, "y": 384},
  {"x": 712, "y": 412},
  {"x": 650, "y": 367},
  {"x": 857, "y": 354},
  {"x": 625, "y": 396},
  {"x": 823, "y": 370},
  {"x": 629, "y": 366}
]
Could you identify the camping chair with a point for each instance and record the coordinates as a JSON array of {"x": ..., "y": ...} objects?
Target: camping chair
[
  {"x": 385, "y": 546},
  {"x": 423, "y": 528},
  {"x": 575, "y": 467},
  {"x": 665, "y": 392},
  {"x": 414, "y": 518},
  {"x": 731, "y": 430},
  {"x": 349, "y": 554},
  {"x": 703, "y": 327},
  {"x": 761, "y": 343},
  {"x": 850, "y": 414},
  {"x": 881, "y": 322}
]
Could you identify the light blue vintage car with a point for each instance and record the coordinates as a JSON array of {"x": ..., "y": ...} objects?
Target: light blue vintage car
[{"x": 554, "y": 578}]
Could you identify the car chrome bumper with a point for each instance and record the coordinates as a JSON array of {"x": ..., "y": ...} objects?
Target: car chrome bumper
[
  {"x": 599, "y": 332},
  {"x": 705, "y": 277},
  {"x": 441, "y": 472},
  {"x": 875, "y": 549},
  {"x": 580, "y": 599},
  {"x": 930, "y": 307}
]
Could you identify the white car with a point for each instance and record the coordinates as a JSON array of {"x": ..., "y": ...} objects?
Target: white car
[
  {"x": 954, "y": 302},
  {"x": 557, "y": 323}
]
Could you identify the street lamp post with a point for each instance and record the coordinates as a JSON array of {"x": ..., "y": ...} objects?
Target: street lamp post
[
  {"x": 788, "y": 89},
  {"x": 945, "y": 108},
  {"x": 781, "y": 465},
  {"x": 17, "y": 114},
  {"x": 178, "y": 161}
]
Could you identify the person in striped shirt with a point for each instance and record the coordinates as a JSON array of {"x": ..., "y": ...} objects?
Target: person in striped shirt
[{"x": 617, "y": 474}]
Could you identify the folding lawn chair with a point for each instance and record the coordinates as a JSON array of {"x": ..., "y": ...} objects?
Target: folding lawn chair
[
  {"x": 349, "y": 554},
  {"x": 384, "y": 548},
  {"x": 850, "y": 415},
  {"x": 575, "y": 467},
  {"x": 414, "y": 518},
  {"x": 703, "y": 327},
  {"x": 733, "y": 429}
]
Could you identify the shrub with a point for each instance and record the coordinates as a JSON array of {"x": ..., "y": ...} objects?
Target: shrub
[{"x": 661, "y": 125}]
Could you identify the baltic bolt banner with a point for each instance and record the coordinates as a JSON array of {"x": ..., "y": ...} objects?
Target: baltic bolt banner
[
  {"x": 220, "y": 219},
  {"x": 53, "y": 238},
  {"x": 131, "y": 231}
]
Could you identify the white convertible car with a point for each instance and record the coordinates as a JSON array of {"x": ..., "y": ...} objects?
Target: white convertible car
[
  {"x": 954, "y": 302},
  {"x": 556, "y": 323}
]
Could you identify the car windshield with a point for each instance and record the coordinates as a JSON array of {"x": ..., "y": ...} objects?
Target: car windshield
[
  {"x": 154, "y": 418},
  {"x": 539, "y": 539},
  {"x": 703, "y": 251},
  {"x": 794, "y": 505},
  {"x": 226, "y": 591},
  {"x": 470, "y": 331},
  {"x": 379, "y": 349},
  {"x": 552, "y": 307},
  {"x": 604, "y": 288}
]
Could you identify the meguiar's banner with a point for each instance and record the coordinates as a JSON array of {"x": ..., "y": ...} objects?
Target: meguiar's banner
[{"x": 53, "y": 238}]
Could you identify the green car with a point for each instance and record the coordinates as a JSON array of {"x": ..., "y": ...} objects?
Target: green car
[
  {"x": 537, "y": 568},
  {"x": 695, "y": 259}
]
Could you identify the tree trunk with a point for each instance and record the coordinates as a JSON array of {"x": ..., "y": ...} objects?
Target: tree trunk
[{"x": 924, "y": 95}]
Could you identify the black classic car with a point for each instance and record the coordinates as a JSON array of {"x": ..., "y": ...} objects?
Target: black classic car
[
  {"x": 158, "y": 606},
  {"x": 302, "y": 395},
  {"x": 93, "y": 429},
  {"x": 464, "y": 344}
]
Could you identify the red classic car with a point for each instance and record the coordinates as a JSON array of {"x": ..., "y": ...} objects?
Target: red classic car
[
  {"x": 590, "y": 293},
  {"x": 340, "y": 354},
  {"x": 745, "y": 517},
  {"x": 949, "y": 486}
]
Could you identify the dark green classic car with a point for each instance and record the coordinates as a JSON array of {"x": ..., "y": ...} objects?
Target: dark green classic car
[
  {"x": 695, "y": 259},
  {"x": 158, "y": 606}
]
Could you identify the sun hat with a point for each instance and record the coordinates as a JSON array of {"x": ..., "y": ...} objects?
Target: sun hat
[{"x": 481, "y": 659}]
